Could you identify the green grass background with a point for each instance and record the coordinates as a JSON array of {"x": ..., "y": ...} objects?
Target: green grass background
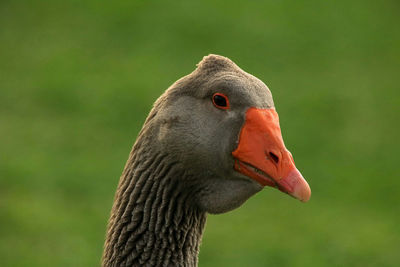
[{"x": 77, "y": 79}]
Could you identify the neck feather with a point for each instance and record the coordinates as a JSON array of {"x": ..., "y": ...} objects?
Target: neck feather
[{"x": 153, "y": 221}]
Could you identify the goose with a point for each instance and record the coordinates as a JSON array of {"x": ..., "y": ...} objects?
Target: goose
[{"x": 210, "y": 142}]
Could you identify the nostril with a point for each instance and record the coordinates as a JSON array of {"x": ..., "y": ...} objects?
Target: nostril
[{"x": 274, "y": 157}]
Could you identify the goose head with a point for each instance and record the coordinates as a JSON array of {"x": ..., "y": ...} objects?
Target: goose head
[{"x": 220, "y": 124}]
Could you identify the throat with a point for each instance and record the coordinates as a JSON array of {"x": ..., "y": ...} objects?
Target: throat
[{"x": 153, "y": 221}]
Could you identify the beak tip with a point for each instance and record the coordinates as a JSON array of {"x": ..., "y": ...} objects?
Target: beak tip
[
  {"x": 306, "y": 198},
  {"x": 303, "y": 193},
  {"x": 298, "y": 185}
]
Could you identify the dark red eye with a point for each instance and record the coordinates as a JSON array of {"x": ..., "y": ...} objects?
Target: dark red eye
[{"x": 220, "y": 101}]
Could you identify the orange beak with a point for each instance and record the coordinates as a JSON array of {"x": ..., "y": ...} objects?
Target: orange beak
[{"x": 262, "y": 155}]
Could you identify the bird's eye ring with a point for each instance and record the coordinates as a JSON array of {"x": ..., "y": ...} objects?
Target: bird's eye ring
[{"x": 220, "y": 101}]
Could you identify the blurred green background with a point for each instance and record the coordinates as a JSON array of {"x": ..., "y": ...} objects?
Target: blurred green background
[{"x": 77, "y": 79}]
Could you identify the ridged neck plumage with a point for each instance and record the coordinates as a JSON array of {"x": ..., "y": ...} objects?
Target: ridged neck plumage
[{"x": 153, "y": 220}]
